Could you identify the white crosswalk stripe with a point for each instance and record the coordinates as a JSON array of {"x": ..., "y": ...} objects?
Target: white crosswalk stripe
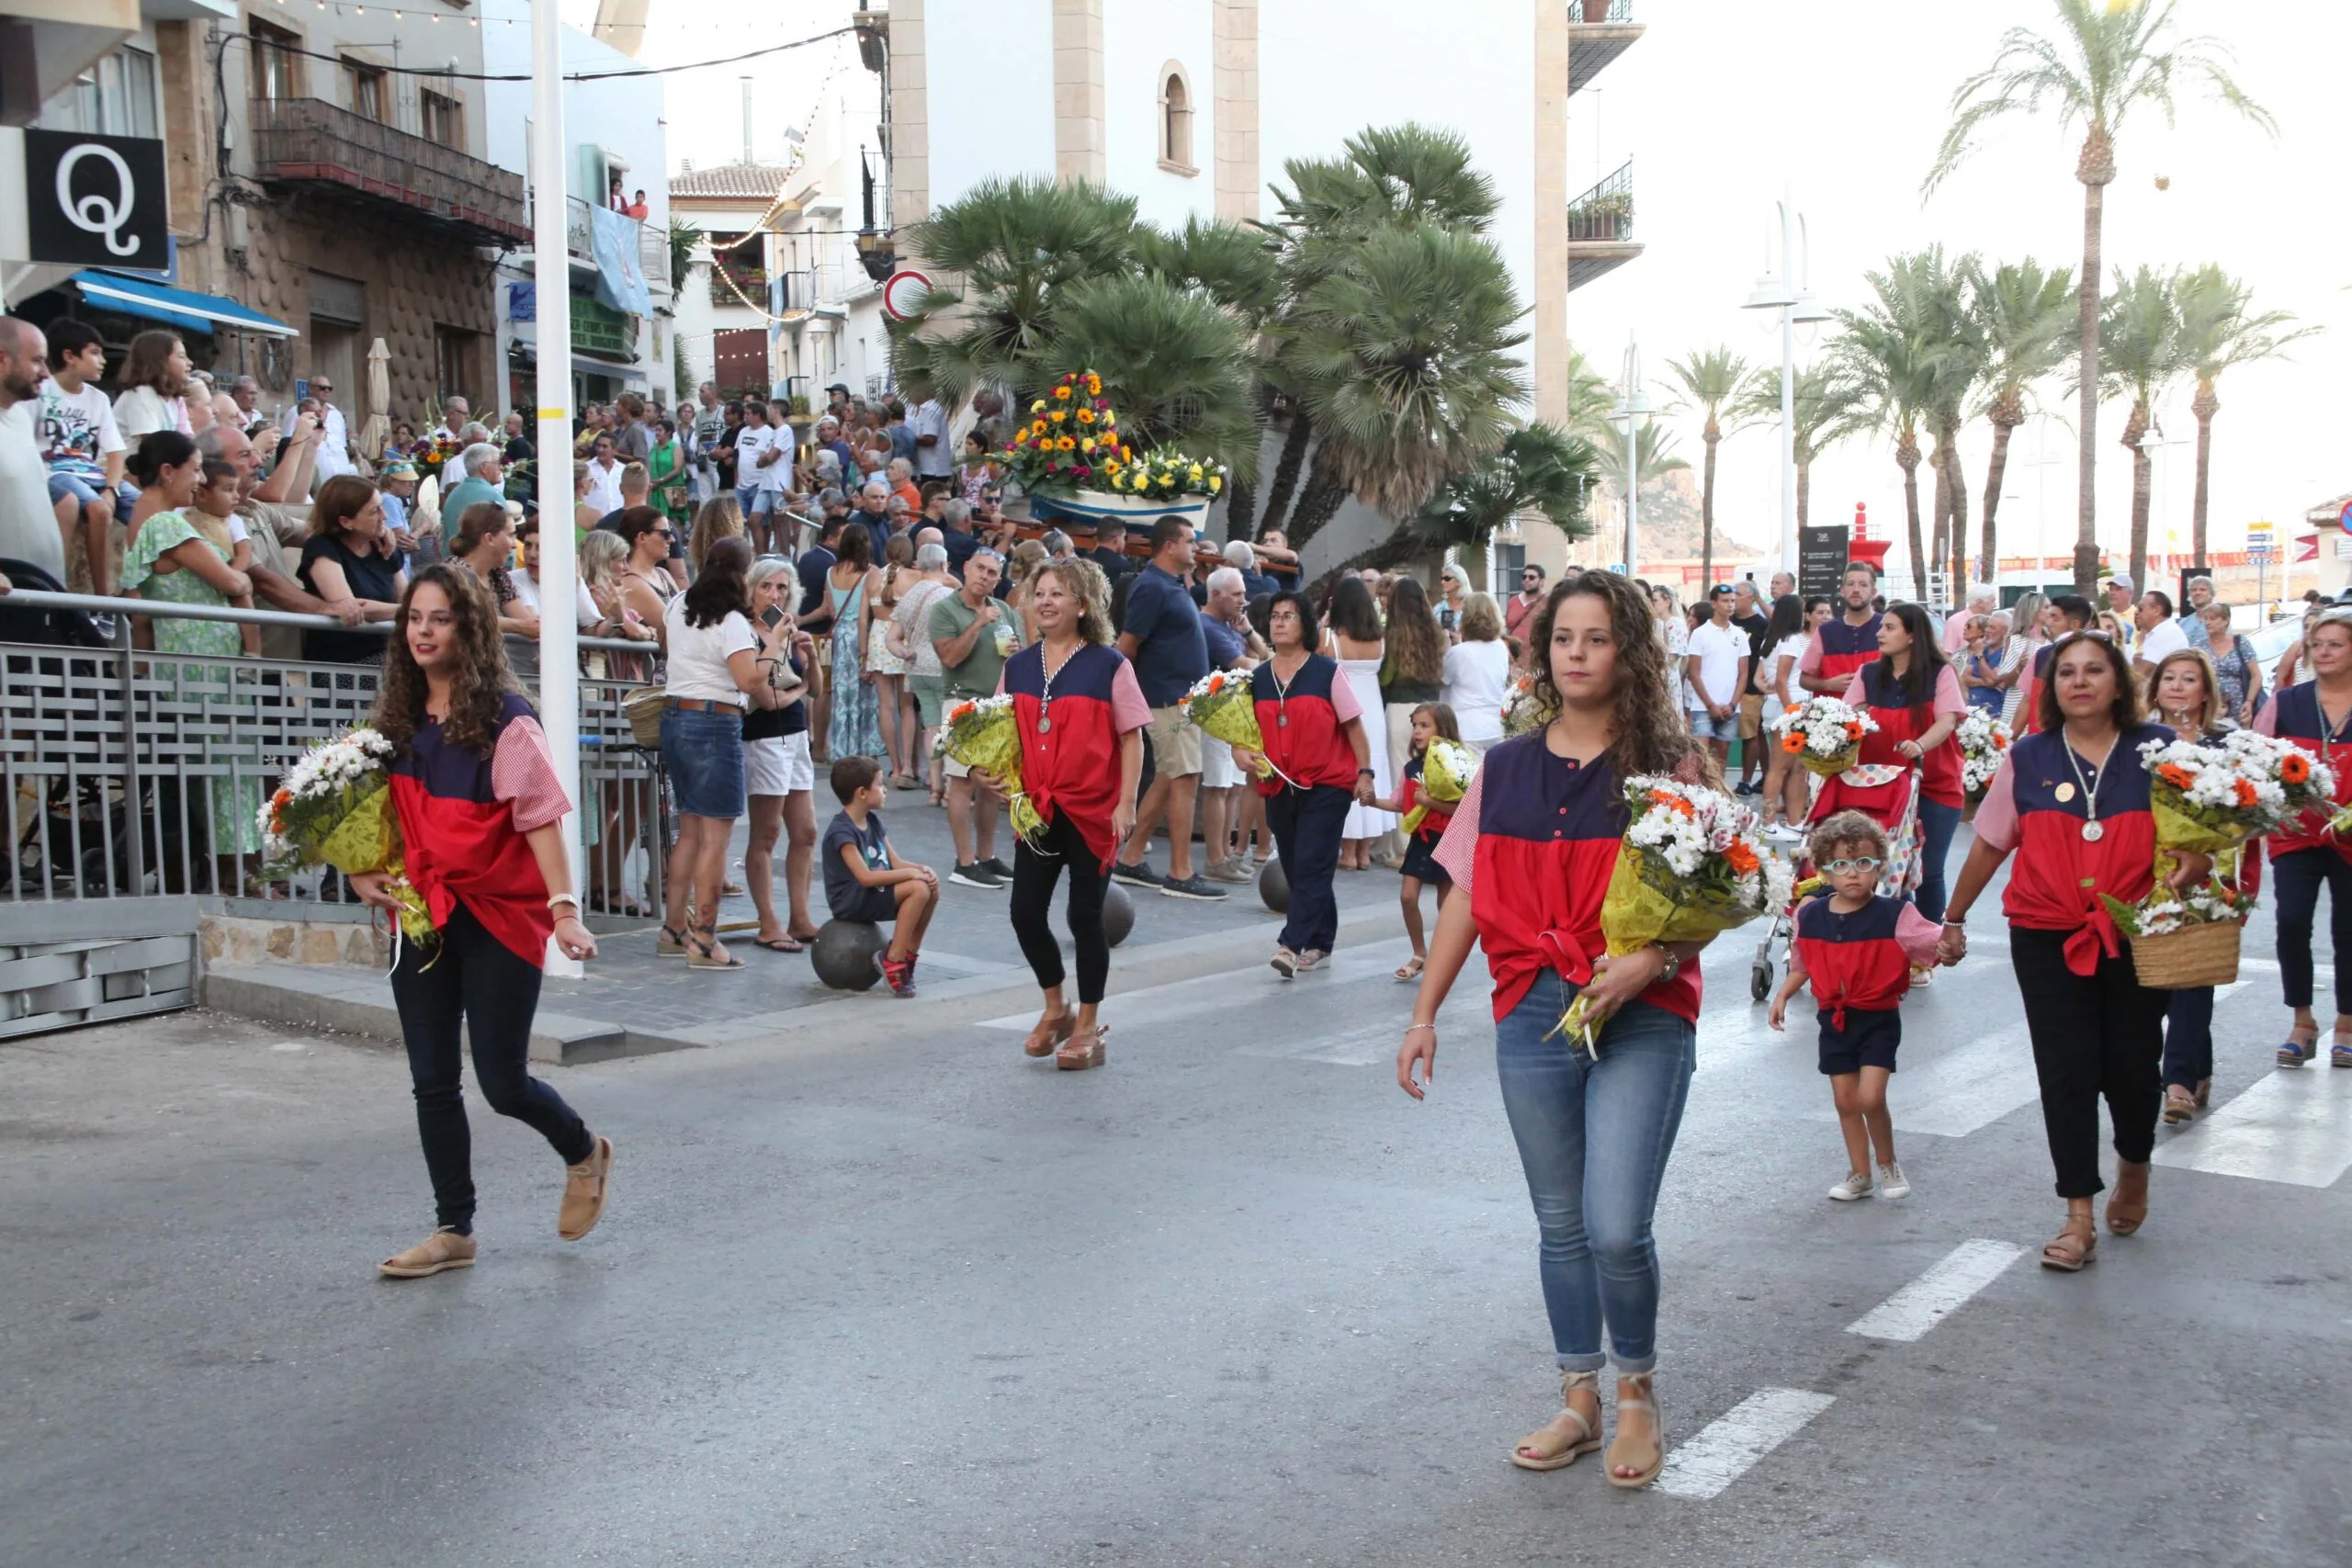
[
  {"x": 2294, "y": 1127},
  {"x": 1729, "y": 1447},
  {"x": 1926, "y": 1300}
]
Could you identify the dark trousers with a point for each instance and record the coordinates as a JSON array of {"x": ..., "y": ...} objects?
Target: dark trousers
[
  {"x": 1033, "y": 876},
  {"x": 2096, "y": 1036},
  {"x": 2301, "y": 874},
  {"x": 2189, "y": 1036},
  {"x": 469, "y": 974},
  {"x": 1306, "y": 824}
]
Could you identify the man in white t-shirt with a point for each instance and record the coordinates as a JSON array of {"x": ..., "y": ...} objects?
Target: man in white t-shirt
[
  {"x": 2160, "y": 635},
  {"x": 334, "y": 456},
  {"x": 933, "y": 459},
  {"x": 751, "y": 444},
  {"x": 1716, "y": 663},
  {"x": 28, "y": 528}
]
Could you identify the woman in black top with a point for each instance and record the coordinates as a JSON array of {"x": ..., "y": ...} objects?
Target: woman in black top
[{"x": 349, "y": 559}]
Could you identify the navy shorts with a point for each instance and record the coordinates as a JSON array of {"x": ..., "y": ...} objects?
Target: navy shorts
[
  {"x": 1869, "y": 1040},
  {"x": 1420, "y": 862},
  {"x": 875, "y": 905},
  {"x": 703, "y": 753}
]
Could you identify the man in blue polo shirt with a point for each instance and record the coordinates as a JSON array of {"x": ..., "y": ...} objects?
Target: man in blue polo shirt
[{"x": 1161, "y": 635}]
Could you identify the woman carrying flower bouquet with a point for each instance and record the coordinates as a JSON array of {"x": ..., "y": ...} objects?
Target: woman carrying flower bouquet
[
  {"x": 1080, "y": 717},
  {"x": 1314, "y": 729},
  {"x": 2317, "y": 715},
  {"x": 2074, "y": 797},
  {"x": 479, "y": 804},
  {"x": 1913, "y": 696},
  {"x": 1534, "y": 844}
]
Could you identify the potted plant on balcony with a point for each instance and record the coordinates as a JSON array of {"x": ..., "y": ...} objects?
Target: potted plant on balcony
[
  {"x": 1596, "y": 12},
  {"x": 1074, "y": 464},
  {"x": 1608, "y": 217}
]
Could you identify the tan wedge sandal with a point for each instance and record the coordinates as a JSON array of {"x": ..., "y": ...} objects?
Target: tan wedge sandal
[
  {"x": 2074, "y": 1248},
  {"x": 1049, "y": 1033},
  {"x": 1622, "y": 1450},
  {"x": 1556, "y": 1447},
  {"x": 2127, "y": 1206},
  {"x": 1082, "y": 1050}
]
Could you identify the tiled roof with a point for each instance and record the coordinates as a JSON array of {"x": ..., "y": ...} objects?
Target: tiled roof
[{"x": 754, "y": 181}]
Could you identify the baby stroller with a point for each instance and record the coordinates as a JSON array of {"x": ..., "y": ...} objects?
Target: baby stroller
[{"x": 1886, "y": 793}]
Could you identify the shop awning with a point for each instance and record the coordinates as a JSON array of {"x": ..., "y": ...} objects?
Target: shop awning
[{"x": 182, "y": 308}]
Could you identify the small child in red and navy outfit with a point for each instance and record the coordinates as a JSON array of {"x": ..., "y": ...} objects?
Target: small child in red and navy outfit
[
  {"x": 1857, "y": 950},
  {"x": 1431, "y": 721}
]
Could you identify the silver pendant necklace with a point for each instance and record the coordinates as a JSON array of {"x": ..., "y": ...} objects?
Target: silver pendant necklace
[
  {"x": 2093, "y": 829},
  {"x": 1282, "y": 692},
  {"x": 1046, "y": 696}
]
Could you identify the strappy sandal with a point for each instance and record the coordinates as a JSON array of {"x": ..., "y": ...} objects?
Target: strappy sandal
[
  {"x": 444, "y": 1249},
  {"x": 1410, "y": 969},
  {"x": 1049, "y": 1033},
  {"x": 1081, "y": 1050},
  {"x": 705, "y": 957},
  {"x": 1657, "y": 1461},
  {"x": 1552, "y": 1448},
  {"x": 2295, "y": 1053},
  {"x": 670, "y": 943},
  {"x": 2180, "y": 1105},
  {"x": 2338, "y": 1055},
  {"x": 2075, "y": 1246},
  {"x": 2127, "y": 1206}
]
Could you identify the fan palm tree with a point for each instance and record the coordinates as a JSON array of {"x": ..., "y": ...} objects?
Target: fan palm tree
[
  {"x": 2021, "y": 316},
  {"x": 2219, "y": 328},
  {"x": 1591, "y": 398},
  {"x": 2141, "y": 327},
  {"x": 1183, "y": 368},
  {"x": 1828, "y": 406},
  {"x": 1711, "y": 380},
  {"x": 2107, "y": 59},
  {"x": 1540, "y": 468}
]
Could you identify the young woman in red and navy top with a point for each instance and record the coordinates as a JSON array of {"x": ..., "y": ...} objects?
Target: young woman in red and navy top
[
  {"x": 2317, "y": 716},
  {"x": 479, "y": 805},
  {"x": 1431, "y": 721},
  {"x": 1081, "y": 716},
  {"x": 1315, "y": 738},
  {"x": 1532, "y": 844},
  {"x": 1846, "y": 641},
  {"x": 1913, "y": 694},
  {"x": 2073, "y": 798}
]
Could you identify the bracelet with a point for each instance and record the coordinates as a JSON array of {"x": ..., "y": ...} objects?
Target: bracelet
[
  {"x": 1366, "y": 773},
  {"x": 570, "y": 898},
  {"x": 1430, "y": 1027},
  {"x": 1956, "y": 925}
]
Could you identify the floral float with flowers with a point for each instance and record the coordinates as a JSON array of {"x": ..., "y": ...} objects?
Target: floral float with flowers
[{"x": 1070, "y": 441}]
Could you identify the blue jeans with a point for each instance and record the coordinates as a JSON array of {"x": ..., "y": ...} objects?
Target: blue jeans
[
  {"x": 2188, "y": 1037},
  {"x": 746, "y": 496},
  {"x": 1593, "y": 1138},
  {"x": 2297, "y": 875},
  {"x": 1938, "y": 823}
]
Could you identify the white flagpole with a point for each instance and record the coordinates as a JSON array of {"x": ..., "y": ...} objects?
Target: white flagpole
[{"x": 559, "y": 567}]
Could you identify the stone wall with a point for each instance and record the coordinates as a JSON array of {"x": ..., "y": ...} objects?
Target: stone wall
[{"x": 229, "y": 938}]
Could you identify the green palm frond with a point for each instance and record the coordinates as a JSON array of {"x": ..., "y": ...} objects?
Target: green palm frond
[
  {"x": 1238, "y": 267},
  {"x": 2140, "y": 348},
  {"x": 1709, "y": 381},
  {"x": 1540, "y": 469},
  {"x": 1828, "y": 405},
  {"x": 2219, "y": 328},
  {"x": 2025, "y": 316}
]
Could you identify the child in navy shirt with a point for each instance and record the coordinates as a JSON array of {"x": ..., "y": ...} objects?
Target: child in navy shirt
[{"x": 865, "y": 879}]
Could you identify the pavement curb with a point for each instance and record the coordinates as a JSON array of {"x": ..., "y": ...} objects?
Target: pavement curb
[{"x": 360, "y": 1002}]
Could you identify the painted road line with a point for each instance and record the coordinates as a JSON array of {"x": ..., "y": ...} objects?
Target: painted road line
[
  {"x": 1214, "y": 993},
  {"x": 1965, "y": 1087},
  {"x": 1729, "y": 1446},
  {"x": 2294, "y": 1127},
  {"x": 1926, "y": 1300}
]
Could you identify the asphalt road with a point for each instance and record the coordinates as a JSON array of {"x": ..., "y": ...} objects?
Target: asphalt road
[{"x": 904, "y": 1296}]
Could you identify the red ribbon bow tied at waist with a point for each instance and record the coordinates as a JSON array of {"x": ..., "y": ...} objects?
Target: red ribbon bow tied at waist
[
  {"x": 2096, "y": 939},
  {"x": 1565, "y": 953}
]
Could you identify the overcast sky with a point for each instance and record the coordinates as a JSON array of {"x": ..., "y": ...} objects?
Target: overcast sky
[{"x": 1724, "y": 102}]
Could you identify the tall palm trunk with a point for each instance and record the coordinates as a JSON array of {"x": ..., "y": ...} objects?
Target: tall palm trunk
[
  {"x": 1939, "y": 533},
  {"x": 1804, "y": 481},
  {"x": 2007, "y": 413},
  {"x": 2204, "y": 406},
  {"x": 1286, "y": 468},
  {"x": 1959, "y": 492},
  {"x": 1713, "y": 434},
  {"x": 2142, "y": 487},
  {"x": 1906, "y": 457},
  {"x": 2096, "y": 170}
]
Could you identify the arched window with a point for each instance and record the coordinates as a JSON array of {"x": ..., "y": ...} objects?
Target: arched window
[{"x": 1175, "y": 120}]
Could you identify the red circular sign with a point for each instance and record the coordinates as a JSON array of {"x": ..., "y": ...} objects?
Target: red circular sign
[{"x": 900, "y": 290}]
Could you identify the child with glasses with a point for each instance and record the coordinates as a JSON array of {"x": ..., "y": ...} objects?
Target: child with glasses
[{"x": 1858, "y": 949}]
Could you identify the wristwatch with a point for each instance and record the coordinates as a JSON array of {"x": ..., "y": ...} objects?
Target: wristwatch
[{"x": 1673, "y": 963}]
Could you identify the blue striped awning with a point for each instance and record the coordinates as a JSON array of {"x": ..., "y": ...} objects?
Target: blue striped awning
[{"x": 182, "y": 308}]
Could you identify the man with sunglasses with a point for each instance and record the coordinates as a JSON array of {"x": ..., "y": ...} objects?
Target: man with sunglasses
[{"x": 1520, "y": 611}]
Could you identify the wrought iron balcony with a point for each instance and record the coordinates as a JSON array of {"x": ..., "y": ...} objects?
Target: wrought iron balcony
[
  {"x": 313, "y": 144},
  {"x": 1598, "y": 31},
  {"x": 1600, "y": 228},
  {"x": 652, "y": 245}
]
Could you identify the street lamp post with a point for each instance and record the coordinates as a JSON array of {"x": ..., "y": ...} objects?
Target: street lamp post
[
  {"x": 1788, "y": 293},
  {"x": 1632, "y": 412}
]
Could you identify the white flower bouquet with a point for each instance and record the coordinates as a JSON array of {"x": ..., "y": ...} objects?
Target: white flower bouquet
[
  {"x": 1984, "y": 741},
  {"x": 334, "y": 807},
  {"x": 1824, "y": 734},
  {"x": 2207, "y": 797}
]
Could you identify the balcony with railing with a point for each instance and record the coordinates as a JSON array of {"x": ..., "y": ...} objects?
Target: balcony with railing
[
  {"x": 652, "y": 246},
  {"x": 320, "y": 146},
  {"x": 1600, "y": 228},
  {"x": 1598, "y": 31}
]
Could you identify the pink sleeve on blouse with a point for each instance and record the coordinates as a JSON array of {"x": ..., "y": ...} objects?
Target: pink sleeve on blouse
[
  {"x": 1128, "y": 710},
  {"x": 1917, "y": 935},
  {"x": 1856, "y": 695},
  {"x": 1811, "y": 663},
  {"x": 1947, "y": 697},
  {"x": 2267, "y": 721},
  {"x": 522, "y": 774},
  {"x": 1343, "y": 696},
  {"x": 1457, "y": 848},
  {"x": 1996, "y": 814}
]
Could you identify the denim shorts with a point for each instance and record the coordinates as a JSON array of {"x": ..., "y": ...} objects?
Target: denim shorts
[
  {"x": 704, "y": 754},
  {"x": 1704, "y": 726},
  {"x": 63, "y": 484}
]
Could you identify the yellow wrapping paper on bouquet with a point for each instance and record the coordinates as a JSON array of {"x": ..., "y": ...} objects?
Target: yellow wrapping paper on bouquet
[
  {"x": 984, "y": 735},
  {"x": 1447, "y": 768},
  {"x": 1646, "y": 903},
  {"x": 368, "y": 839},
  {"x": 1224, "y": 707}
]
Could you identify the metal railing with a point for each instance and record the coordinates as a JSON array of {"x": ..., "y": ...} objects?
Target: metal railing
[
  {"x": 137, "y": 775},
  {"x": 1619, "y": 11},
  {"x": 652, "y": 244},
  {"x": 1606, "y": 211},
  {"x": 311, "y": 141}
]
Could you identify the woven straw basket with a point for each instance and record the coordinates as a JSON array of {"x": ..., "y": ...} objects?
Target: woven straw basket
[
  {"x": 1830, "y": 767},
  {"x": 2195, "y": 955},
  {"x": 643, "y": 708}
]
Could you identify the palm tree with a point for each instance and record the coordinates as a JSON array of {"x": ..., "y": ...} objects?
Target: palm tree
[
  {"x": 1829, "y": 407},
  {"x": 2022, "y": 315},
  {"x": 1934, "y": 295},
  {"x": 2218, "y": 330},
  {"x": 1709, "y": 380},
  {"x": 1181, "y": 363},
  {"x": 1540, "y": 468},
  {"x": 2141, "y": 327},
  {"x": 2107, "y": 58},
  {"x": 1892, "y": 354}
]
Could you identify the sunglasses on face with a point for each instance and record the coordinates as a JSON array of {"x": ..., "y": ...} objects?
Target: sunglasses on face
[{"x": 1840, "y": 867}]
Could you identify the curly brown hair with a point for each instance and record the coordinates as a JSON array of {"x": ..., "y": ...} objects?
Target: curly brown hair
[
  {"x": 482, "y": 680},
  {"x": 1647, "y": 733},
  {"x": 1084, "y": 581}
]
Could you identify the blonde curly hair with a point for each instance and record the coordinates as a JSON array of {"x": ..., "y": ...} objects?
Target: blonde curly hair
[{"x": 1084, "y": 581}]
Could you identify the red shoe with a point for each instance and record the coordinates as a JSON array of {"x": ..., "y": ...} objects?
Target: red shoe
[{"x": 899, "y": 974}]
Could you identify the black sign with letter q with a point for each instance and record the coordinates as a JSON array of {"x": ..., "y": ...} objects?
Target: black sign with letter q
[{"x": 95, "y": 200}]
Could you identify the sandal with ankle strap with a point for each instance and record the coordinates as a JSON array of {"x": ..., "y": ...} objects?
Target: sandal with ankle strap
[
  {"x": 1657, "y": 1439},
  {"x": 1552, "y": 1448},
  {"x": 2074, "y": 1248},
  {"x": 1048, "y": 1034},
  {"x": 672, "y": 943},
  {"x": 2180, "y": 1104},
  {"x": 1081, "y": 1050},
  {"x": 702, "y": 952}
]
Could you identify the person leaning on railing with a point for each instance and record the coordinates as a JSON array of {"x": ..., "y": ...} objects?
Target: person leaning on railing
[{"x": 343, "y": 563}]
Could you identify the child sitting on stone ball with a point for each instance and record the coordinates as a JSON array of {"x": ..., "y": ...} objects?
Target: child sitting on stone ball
[{"x": 865, "y": 879}]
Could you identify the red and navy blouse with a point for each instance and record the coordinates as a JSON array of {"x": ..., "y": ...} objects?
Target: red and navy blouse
[
  {"x": 462, "y": 820},
  {"x": 1304, "y": 723},
  {"x": 1536, "y": 861},
  {"x": 1839, "y": 649},
  {"x": 1071, "y": 765},
  {"x": 2037, "y": 805},
  {"x": 1435, "y": 814},
  {"x": 1863, "y": 960},
  {"x": 2030, "y": 718},
  {"x": 1900, "y": 720},
  {"x": 2294, "y": 715}
]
